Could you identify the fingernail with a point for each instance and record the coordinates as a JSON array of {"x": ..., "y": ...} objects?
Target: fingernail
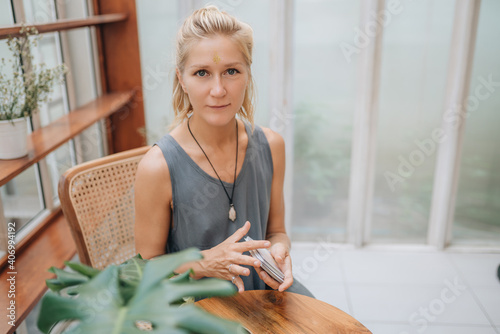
[
  {"x": 267, "y": 244},
  {"x": 256, "y": 263}
]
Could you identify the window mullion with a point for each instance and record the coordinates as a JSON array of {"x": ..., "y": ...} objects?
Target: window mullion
[
  {"x": 3, "y": 229},
  {"x": 46, "y": 185},
  {"x": 365, "y": 127},
  {"x": 97, "y": 84},
  {"x": 18, "y": 8},
  {"x": 448, "y": 158},
  {"x": 43, "y": 176},
  {"x": 281, "y": 85}
]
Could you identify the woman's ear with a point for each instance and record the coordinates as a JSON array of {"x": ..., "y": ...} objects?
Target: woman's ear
[{"x": 179, "y": 77}]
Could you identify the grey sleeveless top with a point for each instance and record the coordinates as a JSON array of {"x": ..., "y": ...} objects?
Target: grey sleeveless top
[{"x": 201, "y": 207}]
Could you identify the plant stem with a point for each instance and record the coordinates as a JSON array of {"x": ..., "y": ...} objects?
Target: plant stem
[{"x": 119, "y": 320}]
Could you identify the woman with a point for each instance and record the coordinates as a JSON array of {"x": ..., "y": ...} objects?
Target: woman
[{"x": 215, "y": 178}]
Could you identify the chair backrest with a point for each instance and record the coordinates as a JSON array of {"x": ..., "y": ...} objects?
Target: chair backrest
[{"x": 97, "y": 199}]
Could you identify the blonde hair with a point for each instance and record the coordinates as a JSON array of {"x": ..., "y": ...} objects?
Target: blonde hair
[{"x": 205, "y": 23}]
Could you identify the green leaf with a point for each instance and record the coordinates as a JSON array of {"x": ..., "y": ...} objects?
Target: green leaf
[
  {"x": 64, "y": 279},
  {"x": 131, "y": 273},
  {"x": 163, "y": 266},
  {"x": 98, "y": 301},
  {"x": 83, "y": 269},
  {"x": 202, "y": 288},
  {"x": 182, "y": 277},
  {"x": 115, "y": 299}
]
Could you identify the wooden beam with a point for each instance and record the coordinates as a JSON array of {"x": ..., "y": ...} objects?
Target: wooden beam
[
  {"x": 59, "y": 25},
  {"x": 121, "y": 70}
]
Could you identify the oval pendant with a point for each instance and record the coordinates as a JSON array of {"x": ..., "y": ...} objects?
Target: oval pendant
[{"x": 232, "y": 213}]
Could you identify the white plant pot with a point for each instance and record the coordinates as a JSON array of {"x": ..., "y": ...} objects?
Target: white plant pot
[{"x": 13, "y": 138}]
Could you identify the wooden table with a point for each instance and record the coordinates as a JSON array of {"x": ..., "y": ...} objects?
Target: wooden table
[{"x": 282, "y": 312}]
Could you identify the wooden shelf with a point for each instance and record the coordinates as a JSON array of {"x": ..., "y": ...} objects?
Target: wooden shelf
[
  {"x": 13, "y": 30},
  {"x": 52, "y": 246},
  {"x": 47, "y": 139}
]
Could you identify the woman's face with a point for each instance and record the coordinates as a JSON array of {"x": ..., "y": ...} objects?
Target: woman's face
[{"x": 215, "y": 78}]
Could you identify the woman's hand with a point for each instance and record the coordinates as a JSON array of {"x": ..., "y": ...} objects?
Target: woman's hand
[
  {"x": 225, "y": 260},
  {"x": 281, "y": 254}
]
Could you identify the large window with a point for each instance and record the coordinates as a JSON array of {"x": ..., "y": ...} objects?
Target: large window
[
  {"x": 158, "y": 23},
  {"x": 323, "y": 100},
  {"x": 477, "y": 212},
  {"x": 415, "y": 53},
  {"x": 326, "y": 46},
  {"x": 32, "y": 195}
]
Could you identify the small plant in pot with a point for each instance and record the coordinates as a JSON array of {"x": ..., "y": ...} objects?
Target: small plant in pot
[
  {"x": 23, "y": 87},
  {"x": 138, "y": 295}
]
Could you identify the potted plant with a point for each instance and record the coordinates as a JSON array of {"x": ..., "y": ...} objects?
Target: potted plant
[
  {"x": 138, "y": 295},
  {"x": 23, "y": 87}
]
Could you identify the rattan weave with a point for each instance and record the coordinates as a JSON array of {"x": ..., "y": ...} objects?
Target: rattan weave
[{"x": 98, "y": 201}]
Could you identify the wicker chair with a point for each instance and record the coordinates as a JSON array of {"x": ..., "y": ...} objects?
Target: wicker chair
[{"x": 97, "y": 199}]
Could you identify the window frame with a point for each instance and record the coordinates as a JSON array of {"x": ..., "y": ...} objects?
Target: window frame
[{"x": 43, "y": 176}]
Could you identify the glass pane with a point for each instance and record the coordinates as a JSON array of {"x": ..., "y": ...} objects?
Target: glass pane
[
  {"x": 39, "y": 11},
  {"x": 79, "y": 60},
  {"x": 157, "y": 25},
  {"x": 21, "y": 198},
  {"x": 48, "y": 53},
  {"x": 58, "y": 162},
  {"x": 324, "y": 97},
  {"x": 74, "y": 9},
  {"x": 5, "y": 19},
  {"x": 90, "y": 143},
  {"x": 478, "y": 199},
  {"x": 6, "y": 54},
  {"x": 415, "y": 57},
  {"x": 6, "y": 13}
]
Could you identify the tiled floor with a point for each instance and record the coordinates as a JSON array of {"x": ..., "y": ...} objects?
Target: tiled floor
[{"x": 405, "y": 292}]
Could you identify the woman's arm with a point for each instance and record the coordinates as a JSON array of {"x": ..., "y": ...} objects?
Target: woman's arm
[
  {"x": 276, "y": 232},
  {"x": 153, "y": 197}
]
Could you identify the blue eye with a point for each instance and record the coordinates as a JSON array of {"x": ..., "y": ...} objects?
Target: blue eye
[
  {"x": 232, "y": 71},
  {"x": 201, "y": 73}
]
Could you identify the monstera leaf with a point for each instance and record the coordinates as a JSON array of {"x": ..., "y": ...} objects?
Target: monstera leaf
[{"x": 138, "y": 295}]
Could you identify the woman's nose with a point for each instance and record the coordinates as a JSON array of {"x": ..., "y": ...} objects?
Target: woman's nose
[{"x": 218, "y": 89}]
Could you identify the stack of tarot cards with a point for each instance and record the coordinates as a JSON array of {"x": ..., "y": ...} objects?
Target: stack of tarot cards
[{"x": 267, "y": 262}]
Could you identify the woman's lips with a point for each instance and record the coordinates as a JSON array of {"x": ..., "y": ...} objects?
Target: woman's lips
[{"x": 219, "y": 106}]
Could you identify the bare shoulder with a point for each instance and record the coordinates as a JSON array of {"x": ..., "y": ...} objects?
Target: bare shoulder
[
  {"x": 275, "y": 140},
  {"x": 153, "y": 166}
]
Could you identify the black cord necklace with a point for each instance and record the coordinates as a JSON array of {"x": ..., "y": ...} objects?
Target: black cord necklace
[{"x": 232, "y": 211}]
